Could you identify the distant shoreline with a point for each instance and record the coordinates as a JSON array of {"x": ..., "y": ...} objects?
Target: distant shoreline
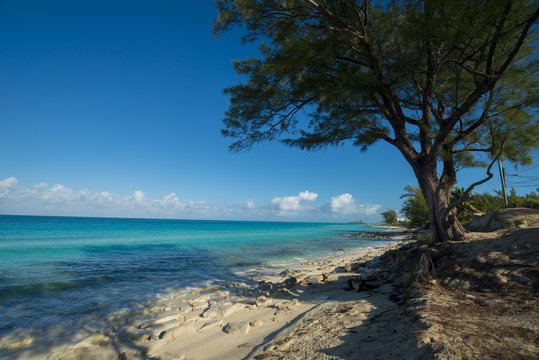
[{"x": 386, "y": 226}]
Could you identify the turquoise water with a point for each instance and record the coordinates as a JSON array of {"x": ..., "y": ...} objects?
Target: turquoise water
[{"x": 57, "y": 269}]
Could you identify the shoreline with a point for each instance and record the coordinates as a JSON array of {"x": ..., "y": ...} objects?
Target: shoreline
[
  {"x": 473, "y": 298},
  {"x": 232, "y": 319}
]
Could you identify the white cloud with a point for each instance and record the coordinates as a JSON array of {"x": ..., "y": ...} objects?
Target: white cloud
[
  {"x": 58, "y": 199},
  {"x": 370, "y": 209},
  {"x": 139, "y": 197},
  {"x": 170, "y": 201},
  {"x": 198, "y": 205},
  {"x": 59, "y": 193},
  {"x": 346, "y": 205},
  {"x": 7, "y": 186},
  {"x": 343, "y": 204},
  {"x": 293, "y": 203}
]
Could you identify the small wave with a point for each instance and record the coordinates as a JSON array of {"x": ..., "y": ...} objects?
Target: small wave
[
  {"x": 22, "y": 291},
  {"x": 50, "y": 288}
]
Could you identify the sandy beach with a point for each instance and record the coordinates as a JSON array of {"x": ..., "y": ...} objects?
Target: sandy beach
[
  {"x": 401, "y": 300},
  {"x": 233, "y": 322}
]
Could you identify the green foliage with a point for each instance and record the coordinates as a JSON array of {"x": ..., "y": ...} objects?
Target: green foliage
[
  {"x": 360, "y": 70},
  {"x": 466, "y": 209},
  {"x": 416, "y": 211},
  {"x": 487, "y": 202},
  {"x": 415, "y": 207},
  {"x": 448, "y": 83},
  {"x": 530, "y": 200},
  {"x": 390, "y": 217}
]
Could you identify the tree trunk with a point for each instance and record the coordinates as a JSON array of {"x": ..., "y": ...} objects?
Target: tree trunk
[{"x": 438, "y": 196}]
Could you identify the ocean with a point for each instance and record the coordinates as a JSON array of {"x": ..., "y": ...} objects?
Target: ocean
[{"x": 58, "y": 271}]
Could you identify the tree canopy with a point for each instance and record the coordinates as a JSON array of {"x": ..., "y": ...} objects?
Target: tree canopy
[
  {"x": 450, "y": 84},
  {"x": 390, "y": 217}
]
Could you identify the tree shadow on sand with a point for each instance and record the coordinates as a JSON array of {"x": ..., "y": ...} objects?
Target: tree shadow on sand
[
  {"x": 375, "y": 319},
  {"x": 470, "y": 299}
]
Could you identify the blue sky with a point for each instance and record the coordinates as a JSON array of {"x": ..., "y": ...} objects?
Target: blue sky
[{"x": 114, "y": 108}]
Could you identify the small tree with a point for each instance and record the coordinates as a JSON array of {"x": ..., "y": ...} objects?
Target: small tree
[
  {"x": 415, "y": 207},
  {"x": 444, "y": 82},
  {"x": 390, "y": 217}
]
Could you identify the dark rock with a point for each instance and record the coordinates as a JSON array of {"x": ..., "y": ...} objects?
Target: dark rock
[
  {"x": 353, "y": 284},
  {"x": 265, "y": 286},
  {"x": 362, "y": 285},
  {"x": 520, "y": 279},
  {"x": 122, "y": 356},
  {"x": 371, "y": 277},
  {"x": 289, "y": 282},
  {"x": 371, "y": 285}
]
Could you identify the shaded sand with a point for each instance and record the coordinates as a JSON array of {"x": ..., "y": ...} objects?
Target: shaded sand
[
  {"x": 484, "y": 302},
  {"x": 474, "y": 299}
]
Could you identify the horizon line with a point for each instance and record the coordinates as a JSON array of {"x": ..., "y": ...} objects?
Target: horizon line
[{"x": 177, "y": 219}]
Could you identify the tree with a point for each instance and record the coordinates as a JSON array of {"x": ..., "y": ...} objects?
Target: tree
[
  {"x": 390, "y": 217},
  {"x": 450, "y": 84},
  {"x": 467, "y": 208},
  {"x": 415, "y": 208}
]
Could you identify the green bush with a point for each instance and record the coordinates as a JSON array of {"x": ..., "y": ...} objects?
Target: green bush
[
  {"x": 416, "y": 211},
  {"x": 390, "y": 217},
  {"x": 415, "y": 207},
  {"x": 530, "y": 200}
]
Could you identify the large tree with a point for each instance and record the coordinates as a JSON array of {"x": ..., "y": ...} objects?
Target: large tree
[{"x": 450, "y": 84}]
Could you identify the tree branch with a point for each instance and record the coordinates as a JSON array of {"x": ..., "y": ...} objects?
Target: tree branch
[
  {"x": 485, "y": 86},
  {"x": 351, "y": 60},
  {"x": 475, "y": 125},
  {"x": 397, "y": 118},
  {"x": 520, "y": 41},
  {"x": 329, "y": 14},
  {"x": 495, "y": 37},
  {"x": 466, "y": 150},
  {"x": 470, "y": 70},
  {"x": 465, "y": 196}
]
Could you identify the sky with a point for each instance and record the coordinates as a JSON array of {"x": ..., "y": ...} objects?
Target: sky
[{"x": 114, "y": 108}]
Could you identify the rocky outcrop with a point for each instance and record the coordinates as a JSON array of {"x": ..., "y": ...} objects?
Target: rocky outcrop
[{"x": 516, "y": 218}]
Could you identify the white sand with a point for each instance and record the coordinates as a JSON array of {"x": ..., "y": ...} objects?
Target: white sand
[{"x": 237, "y": 322}]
